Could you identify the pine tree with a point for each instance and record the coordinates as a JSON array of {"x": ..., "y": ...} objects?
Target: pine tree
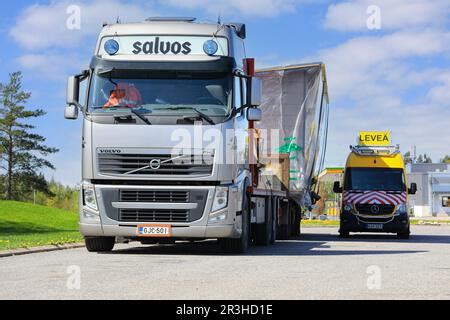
[
  {"x": 22, "y": 152},
  {"x": 446, "y": 159},
  {"x": 407, "y": 157}
]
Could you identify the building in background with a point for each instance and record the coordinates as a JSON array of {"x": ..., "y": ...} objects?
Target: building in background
[
  {"x": 330, "y": 202},
  {"x": 433, "y": 189}
]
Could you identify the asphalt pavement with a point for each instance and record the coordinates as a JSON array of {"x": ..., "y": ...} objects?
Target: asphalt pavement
[{"x": 318, "y": 265}]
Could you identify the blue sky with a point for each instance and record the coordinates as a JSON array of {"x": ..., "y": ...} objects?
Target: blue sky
[{"x": 395, "y": 77}]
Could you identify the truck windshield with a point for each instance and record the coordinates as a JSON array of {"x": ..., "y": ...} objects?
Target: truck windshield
[
  {"x": 374, "y": 179},
  {"x": 161, "y": 93}
]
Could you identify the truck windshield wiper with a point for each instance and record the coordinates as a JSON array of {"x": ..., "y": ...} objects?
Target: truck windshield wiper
[
  {"x": 201, "y": 114},
  {"x": 134, "y": 111}
]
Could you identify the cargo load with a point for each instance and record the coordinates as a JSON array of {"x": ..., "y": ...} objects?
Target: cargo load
[{"x": 295, "y": 102}]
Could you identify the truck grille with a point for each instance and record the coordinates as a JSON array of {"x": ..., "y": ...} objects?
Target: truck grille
[
  {"x": 366, "y": 209},
  {"x": 140, "y": 164},
  {"x": 181, "y": 200},
  {"x": 154, "y": 196},
  {"x": 159, "y": 215}
]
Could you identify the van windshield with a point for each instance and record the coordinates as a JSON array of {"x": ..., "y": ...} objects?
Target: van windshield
[
  {"x": 160, "y": 93},
  {"x": 374, "y": 179}
]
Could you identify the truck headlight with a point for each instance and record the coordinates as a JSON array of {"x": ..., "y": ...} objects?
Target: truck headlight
[
  {"x": 89, "y": 198},
  {"x": 401, "y": 208},
  {"x": 220, "y": 199}
]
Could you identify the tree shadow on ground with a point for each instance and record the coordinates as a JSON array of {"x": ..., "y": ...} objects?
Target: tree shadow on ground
[{"x": 8, "y": 228}]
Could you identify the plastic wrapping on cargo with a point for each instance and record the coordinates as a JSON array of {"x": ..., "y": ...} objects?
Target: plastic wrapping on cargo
[{"x": 294, "y": 102}]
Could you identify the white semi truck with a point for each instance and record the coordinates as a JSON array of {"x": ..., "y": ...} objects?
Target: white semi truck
[{"x": 173, "y": 141}]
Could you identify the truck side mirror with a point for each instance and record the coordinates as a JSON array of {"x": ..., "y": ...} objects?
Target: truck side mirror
[
  {"x": 254, "y": 114},
  {"x": 413, "y": 188},
  {"x": 337, "y": 187},
  {"x": 71, "y": 112},
  {"x": 256, "y": 92},
  {"x": 73, "y": 92}
]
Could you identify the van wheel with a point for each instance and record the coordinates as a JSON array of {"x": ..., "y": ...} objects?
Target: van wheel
[
  {"x": 240, "y": 245},
  {"x": 100, "y": 244},
  {"x": 404, "y": 234},
  {"x": 344, "y": 234}
]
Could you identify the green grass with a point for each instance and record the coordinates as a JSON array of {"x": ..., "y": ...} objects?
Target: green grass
[
  {"x": 24, "y": 225},
  {"x": 320, "y": 223}
]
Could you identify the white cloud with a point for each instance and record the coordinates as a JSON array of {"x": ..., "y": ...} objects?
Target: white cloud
[
  {"x": 40, "y": 27},
  {"x": 390, "y": 80},
  {"x": 422, "y": 125},
  {"x": 260, "y": 8},
  {"x": 440, "y": 94},
  {"x": 398, "y": 14},
  {"x": 376, "y": 65},
  {"x": 52, "y": 66}
]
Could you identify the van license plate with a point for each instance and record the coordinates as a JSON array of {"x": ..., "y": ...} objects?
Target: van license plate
[
  {"x": 374, "y": 226},
  {"x": 159, "y": 231}
]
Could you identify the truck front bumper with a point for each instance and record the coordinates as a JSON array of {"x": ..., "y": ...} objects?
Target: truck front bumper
[
  {"x": 189, "y": 232},
  {"x": 106, "y": 221}
]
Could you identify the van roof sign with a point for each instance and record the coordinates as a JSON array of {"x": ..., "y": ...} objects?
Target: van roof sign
[{"x": 374, "y": 138}]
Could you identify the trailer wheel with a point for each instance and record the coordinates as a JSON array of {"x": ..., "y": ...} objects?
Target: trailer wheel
[
  {"x": 275, "y": 205},
  {"x": 264, "y": 230},
  {"x": 283, "y": 222},
  {"x": 296, "y": 219},
  {"x": 100, "y": 244},
  {"x": 241, "y": 244}
]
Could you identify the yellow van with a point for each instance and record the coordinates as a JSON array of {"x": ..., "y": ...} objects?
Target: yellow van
[{"x": 374, "y": 190}]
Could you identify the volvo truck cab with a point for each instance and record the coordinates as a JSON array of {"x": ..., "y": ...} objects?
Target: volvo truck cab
[
  {"x": 374, "y": 188},
  {"x": 164, "y": 101}
]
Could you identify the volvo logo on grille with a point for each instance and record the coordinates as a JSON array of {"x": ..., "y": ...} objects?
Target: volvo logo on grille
[
  {"x": 110, "y": 151},
  {"x": 155, "y": 164},
  {"x": 375, "y": 209}
]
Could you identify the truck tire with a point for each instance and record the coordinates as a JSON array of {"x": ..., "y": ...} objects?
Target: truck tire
[
  {"x": 264, "y": 230},
  {"x": 240, "y": 245},
  {"x": 100, "y": 244}
]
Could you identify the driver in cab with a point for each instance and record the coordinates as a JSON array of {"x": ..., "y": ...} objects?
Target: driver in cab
[{"x": 124, "y": 95}]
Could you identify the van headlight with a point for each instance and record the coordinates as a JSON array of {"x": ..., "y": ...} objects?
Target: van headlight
[
  {"x": 220, "y": 199},
  {"x": 348, "y": 208},
  {"x": 89, "y": 198},
  {"x": 401, "y": 209}
]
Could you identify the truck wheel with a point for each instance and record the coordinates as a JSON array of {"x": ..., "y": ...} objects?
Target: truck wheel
[
  {"x": 264, "y": 230},
  {"x": 100, "y": 244},
  {"x": 240, "y": 245}
]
